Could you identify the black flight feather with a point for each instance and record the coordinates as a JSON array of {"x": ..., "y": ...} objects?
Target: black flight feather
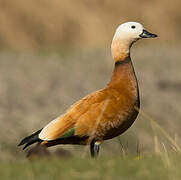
[{"x": 33, "y": 138}]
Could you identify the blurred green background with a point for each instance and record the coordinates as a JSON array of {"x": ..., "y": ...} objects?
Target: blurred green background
[{"x": 53, "y": 53}]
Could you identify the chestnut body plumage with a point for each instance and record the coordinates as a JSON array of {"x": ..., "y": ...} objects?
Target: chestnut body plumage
[{"x": 106, "y": 113}]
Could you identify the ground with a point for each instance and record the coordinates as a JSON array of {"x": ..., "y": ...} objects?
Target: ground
[{"x": 150, "y": 167}]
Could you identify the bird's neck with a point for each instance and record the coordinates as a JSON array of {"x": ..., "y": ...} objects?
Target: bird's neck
[
  {"x": 124, "y": 79},
  {"x": 120, "y": 48}
]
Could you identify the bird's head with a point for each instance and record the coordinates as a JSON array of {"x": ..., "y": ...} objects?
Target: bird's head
[{"x": 126, "y": 34}]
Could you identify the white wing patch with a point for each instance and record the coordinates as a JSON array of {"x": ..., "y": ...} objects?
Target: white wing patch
[{"x": 47, "y": 131}]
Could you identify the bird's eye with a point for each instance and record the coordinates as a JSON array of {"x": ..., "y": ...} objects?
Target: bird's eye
[{"x": 133, "y": 27}]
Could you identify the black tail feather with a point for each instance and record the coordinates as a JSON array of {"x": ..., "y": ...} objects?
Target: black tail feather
[{"x": 30, "y": 139}]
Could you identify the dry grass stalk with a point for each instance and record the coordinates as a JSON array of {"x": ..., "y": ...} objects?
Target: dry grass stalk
[{"x": 172, "y": 141}]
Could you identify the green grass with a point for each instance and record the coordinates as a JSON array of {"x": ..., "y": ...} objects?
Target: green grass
[{"x": 149, "y": 167}]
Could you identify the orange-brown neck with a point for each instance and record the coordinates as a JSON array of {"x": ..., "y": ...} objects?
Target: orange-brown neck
[{"x": 124, "y": 79}]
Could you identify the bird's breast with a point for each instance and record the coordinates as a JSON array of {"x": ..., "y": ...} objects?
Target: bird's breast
[
  {"x": 118, "y": 121},
  {"x": 124, "y": 88}
]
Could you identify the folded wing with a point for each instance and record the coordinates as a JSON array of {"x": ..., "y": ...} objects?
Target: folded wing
[{"x": 62, "y": 125}]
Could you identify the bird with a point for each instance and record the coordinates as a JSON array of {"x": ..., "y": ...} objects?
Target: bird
[{"x": 103, "y": 114}]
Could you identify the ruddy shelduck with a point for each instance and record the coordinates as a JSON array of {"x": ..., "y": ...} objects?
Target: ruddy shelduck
[{"x": 103, "y": 114}]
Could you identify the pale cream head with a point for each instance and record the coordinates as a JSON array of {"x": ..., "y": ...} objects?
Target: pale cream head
[
  {"x": 129, "y": 31},
  {"x": 126, "y": 34}
]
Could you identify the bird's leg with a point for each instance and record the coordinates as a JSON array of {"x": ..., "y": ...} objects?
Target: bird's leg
[{"x": 94, "y": 148}]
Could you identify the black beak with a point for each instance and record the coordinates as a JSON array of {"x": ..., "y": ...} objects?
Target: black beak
[{"x": 146, "y": 34}]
